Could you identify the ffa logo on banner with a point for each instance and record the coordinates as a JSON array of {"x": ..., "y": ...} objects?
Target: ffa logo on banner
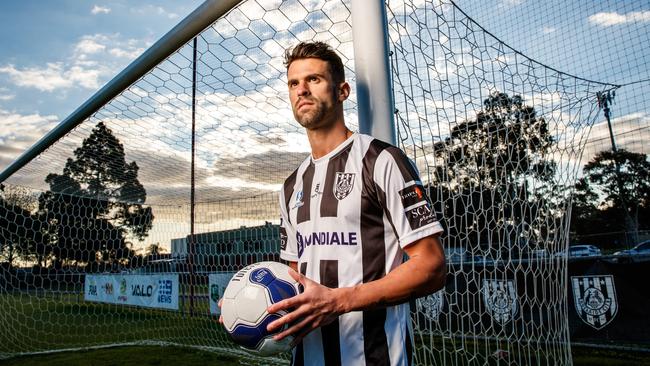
[
  {"x": 595, "y": 299},
  {"x": 431, "y": 306},
  {"x": 500, "y": 298},
  {"x": 343, "y": 185}
]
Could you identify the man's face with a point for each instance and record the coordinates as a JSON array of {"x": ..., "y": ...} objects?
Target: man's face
[{"x": 313, "y": 94}]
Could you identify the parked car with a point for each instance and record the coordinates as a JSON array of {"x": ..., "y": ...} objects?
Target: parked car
[
  {"x": 583, "y": 250},
  {"x": 640, "y": 252}
]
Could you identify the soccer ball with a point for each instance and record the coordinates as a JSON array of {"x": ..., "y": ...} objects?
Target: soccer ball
[{"x": 248, "y": 294}]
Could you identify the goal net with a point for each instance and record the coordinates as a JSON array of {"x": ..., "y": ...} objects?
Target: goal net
[{"x": 125, "y": 230}]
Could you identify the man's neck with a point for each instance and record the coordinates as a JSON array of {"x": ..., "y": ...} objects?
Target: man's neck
[{"x": 324, "y": 141}]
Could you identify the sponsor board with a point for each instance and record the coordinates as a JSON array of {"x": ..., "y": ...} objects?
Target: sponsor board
[
  {"x": 594, "y": 298},
  {"x": 151, "y": 291},
  {"x": 217, "y": 283},
  {"x": 500, "y": 299}
]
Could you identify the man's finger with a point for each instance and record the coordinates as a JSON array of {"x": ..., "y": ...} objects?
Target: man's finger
[
  {"x": 286, "y": 319},
  {"x": 292, "y": 302},
  {"x": 294, "y": 329},
  {"x": 297, "y": 276}
]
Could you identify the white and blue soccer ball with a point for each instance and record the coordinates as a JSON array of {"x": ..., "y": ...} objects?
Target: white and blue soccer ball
[{"x": 249, "y": 293}]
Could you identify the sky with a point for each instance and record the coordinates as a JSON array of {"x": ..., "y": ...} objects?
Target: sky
[{"x": 56, "y": 54}]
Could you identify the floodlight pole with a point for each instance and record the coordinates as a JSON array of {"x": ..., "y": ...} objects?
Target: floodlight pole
[
  {"x": 206, "y": 14},
  {"x": 372, "y": 68}
]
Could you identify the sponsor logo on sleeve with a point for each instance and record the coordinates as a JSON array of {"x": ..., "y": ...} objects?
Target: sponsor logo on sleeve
[
  {"x": 412, "y": 195},
  {"x": 420, "y": 216},
  {"x": 343, "y": 185},
  {"x": 594, "y": 298}
]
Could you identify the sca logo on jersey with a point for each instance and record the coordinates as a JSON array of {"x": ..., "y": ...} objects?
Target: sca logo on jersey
[
  {"x": 420, "y": 216},
  {"x": 343, "y": 185},
  {"x": 325, "y": 238}
]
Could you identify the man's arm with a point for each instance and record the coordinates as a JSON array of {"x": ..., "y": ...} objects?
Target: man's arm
[{"x": 422, "y": 274}]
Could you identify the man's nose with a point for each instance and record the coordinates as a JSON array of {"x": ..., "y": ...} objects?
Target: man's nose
[{"x": 302, "y": 89}]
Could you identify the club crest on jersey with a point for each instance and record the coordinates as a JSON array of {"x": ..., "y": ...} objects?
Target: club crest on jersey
[
  {"x": 343, "y": 185},
  {"x": 594, "y": 298},
  {"x": 500, "y": 299},
  {"x": 431, "y": 306}
]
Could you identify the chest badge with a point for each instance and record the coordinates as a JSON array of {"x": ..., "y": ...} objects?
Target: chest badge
[{"x": 343, "y": 185}]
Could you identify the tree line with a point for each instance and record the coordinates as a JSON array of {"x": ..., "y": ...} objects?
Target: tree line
[{"x": 494, "y": 181}]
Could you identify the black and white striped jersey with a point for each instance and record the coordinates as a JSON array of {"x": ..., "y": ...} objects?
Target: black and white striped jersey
[{"x": 346, "y": 218}]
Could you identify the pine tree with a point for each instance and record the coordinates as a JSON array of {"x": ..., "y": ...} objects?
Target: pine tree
[{"x": 95, "y": 204}]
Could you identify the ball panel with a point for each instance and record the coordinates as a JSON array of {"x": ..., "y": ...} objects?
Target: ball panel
[
  {"x": 277, "y": 288},
  {"x": 251, "y": 336},
  {"x": 251, "y": 303}
]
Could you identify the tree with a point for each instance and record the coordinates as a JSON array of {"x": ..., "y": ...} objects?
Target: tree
[
  {"x": 618, "y": 184},
  {"x": 20, "y": 230},
  {"x": 95, "y": 203},
  {"x": 493, "y": 174}
]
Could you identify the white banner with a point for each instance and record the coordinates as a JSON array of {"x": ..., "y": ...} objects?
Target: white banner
[
  {"x": 217, "y": 284},
  {"x": 151, "y": 291}
]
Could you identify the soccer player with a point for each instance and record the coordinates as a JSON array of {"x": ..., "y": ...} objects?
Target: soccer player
[{"x": 349, "y": 213}]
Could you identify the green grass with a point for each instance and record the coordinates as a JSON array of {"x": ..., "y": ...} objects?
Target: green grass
[
  {"x": 174, "y": 356},
  {"x": 63, "y": 321},
  {"x": 126, "y": 356}
]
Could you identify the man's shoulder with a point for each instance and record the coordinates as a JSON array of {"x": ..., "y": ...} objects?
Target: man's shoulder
[{"x": 290, "y": 180}]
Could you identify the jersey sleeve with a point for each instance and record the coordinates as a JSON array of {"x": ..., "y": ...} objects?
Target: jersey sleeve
[
  {"x": 288, "y": 244},
  {"x": 406, "y": 202}
]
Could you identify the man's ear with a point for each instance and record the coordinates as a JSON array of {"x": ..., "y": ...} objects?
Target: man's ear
[{"x": 344, "y": 91}]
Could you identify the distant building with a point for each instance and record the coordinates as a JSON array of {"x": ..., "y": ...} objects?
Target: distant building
[{"x": 229, "y": 250}]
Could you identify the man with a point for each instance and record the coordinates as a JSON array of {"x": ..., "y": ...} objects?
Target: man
[{"x": 349, "y": 213}]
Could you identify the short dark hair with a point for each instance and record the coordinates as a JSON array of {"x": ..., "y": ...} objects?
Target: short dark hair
[{"x": 321, "y": 51}]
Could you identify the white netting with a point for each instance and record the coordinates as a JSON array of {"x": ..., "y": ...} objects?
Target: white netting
[{"x": 497, "y": 137}]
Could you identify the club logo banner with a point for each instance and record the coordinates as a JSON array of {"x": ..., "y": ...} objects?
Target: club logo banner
[
  {"x": 594, "y": 298},
  {"x": 151, "y": 291},
  {"x": 500, "y": 299},
  {"x": 431, "y": 306},
  {"x": 217, "y": 282}
]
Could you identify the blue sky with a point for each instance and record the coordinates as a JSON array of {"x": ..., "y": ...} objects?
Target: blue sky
[{"x": 56, "y": 54}]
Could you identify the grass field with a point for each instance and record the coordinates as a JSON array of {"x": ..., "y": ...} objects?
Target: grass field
[
  {"x": 64, "y": 321},
  {"x": 174, "y": 356}
]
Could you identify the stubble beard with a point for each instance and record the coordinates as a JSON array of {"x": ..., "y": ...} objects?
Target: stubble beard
[{"x": 314, "y": 118}]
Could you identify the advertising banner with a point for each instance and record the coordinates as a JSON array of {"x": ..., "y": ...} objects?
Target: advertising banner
[
  {"x": 217, "y": 283},
  {"x": 151, "y": 291}
]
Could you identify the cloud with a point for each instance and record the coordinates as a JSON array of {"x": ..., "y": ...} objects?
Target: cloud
[
  {"x": 53, "y": 77},
  {"x": 5, "y": 94},
  {"x": 605, "y": 19},
  {"x": 100, "y": 10},
  {"x": 547, "y": 30},
  {"x": 89, "y": 46},
  {"x": 94, "y": 59},
  {"x": 19, "y": 132}
]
